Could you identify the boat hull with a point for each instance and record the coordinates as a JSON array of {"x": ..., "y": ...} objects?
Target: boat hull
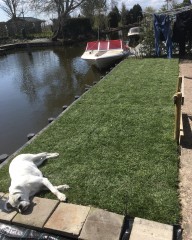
[
  {"x": 104, "y": 61},
  {"x": 104, "y": 53}
]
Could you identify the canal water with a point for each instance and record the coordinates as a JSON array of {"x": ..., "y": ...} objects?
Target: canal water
[{"x": 34, "y": 88}]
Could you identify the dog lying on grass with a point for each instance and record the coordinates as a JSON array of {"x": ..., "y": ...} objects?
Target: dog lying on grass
[{"x": 27, "y": 180}]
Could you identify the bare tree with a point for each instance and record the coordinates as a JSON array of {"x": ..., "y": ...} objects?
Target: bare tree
[
  {"x": 96, "y": 11},
  {"x": 90, "y": 8},
  {"x": 10, "y": 7},
  {"x": 114, "y": 3},
  {"x": 150, "y": 10},
  {"x": 61, "y": 7}
]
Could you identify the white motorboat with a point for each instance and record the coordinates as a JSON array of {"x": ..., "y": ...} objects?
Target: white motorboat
[{"x": 104, "y": 53}]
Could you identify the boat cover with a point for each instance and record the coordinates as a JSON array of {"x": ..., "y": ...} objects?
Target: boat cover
[{"x": 105, "y": 45}]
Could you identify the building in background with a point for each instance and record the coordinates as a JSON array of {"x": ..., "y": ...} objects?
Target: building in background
[{"x": 24, "y": 25}]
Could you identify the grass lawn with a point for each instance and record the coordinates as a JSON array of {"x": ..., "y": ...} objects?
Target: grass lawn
[{"x": 116, "y": 143}]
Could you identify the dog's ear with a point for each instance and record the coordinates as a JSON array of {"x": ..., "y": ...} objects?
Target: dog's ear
[{"x": 8, "y": 206}]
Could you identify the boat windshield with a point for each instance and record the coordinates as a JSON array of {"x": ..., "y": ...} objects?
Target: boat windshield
[
  {"x": 104, "y": 45},
  {"x": 115, "y": 44},
  {"x": 92, "y": 45}
]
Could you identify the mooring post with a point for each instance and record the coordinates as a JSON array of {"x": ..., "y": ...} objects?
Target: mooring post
[
  {"x": 30, "y": 135},
  {"x": 3, "y": 157},
  {"x": 51, "y": 119},
  {"x": 65, "y": 107},
  {"x": 77, "y": 97}
]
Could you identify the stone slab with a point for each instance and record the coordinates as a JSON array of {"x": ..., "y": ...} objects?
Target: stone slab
[
  {"x": 150, "y": 230},
  {"x": 37, "y": 214},
  {"x": 5, "y": 216},
  {"x": 2, "y": 194},
  {"x": 101, "y": 224},
  {"x": 67, "y": 219}
]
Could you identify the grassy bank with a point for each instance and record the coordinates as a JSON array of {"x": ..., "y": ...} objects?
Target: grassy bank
[{"x": 116, "y": 144}]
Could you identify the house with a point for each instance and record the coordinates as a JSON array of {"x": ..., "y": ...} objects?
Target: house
[
  {"x": 29, "y": 25},
  {"x": 3, "y": 30}
]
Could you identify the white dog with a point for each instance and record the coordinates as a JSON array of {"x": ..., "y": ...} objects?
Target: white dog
[{"x": 27, "y": 180}]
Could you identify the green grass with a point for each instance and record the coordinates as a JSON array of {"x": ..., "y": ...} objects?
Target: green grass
[
  {"x": 116, "y": 144},
  {"x": 44, "y": 34}
]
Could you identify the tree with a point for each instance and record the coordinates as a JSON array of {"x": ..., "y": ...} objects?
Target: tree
[
  {"x": 10, "y": 7},
  {"x": 136, "y": 13},
  {"x": 114, "y": 17},
  {"x": 150, "y": 10},
  {"x": 148, "y": 39},
  {"x": 123, "y": 14},
  {"x": 171, "y": 4},
  {"x": 186, "y": 3},
  {"x": 95, "y": 10},
  {"x": 126, "y": 17},
  {"x": 63, "y": 8},
  {"x": 114, "y": 3},
  {"x": 90, "y": 8}
]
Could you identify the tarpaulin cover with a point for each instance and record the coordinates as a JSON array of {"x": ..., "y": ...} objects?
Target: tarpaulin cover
[{"x": 10, "y": 232}]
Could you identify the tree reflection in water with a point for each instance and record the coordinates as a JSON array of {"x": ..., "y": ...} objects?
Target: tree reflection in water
[{"x": 34, "y": 87}]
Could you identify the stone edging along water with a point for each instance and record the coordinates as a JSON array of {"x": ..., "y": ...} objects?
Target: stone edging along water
[
  {"x": 32, "y": 43},
  {"x": 26, "y": 45},
  {"x": 51, "y": 122}
]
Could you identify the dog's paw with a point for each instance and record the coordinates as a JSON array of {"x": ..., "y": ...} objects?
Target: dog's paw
[
  {"x": 62, "y": 187},
  {"x": 61, "y": 197},
  {"x": 54, "y": 154},
  {"x": 65, "y": 186}
]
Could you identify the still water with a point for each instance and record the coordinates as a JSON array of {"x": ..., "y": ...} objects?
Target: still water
[{"x": 34, "y": 88}]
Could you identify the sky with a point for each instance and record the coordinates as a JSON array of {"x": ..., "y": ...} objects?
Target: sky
[{"x": 128, "y": 3}]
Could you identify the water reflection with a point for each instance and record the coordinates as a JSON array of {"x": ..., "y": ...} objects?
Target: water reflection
[{"x": 34, "y": 87}]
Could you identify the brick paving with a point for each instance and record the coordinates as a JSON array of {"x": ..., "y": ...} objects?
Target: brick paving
[
  {"x": 1, "y": 194},
  {"x": 4, "y": 216},
  {"x": 80, "y": 222},
  {"x": 150, "y": 230},
  {"x": 101, "y": 224},
  {"x": 37, "y": 214},
  {"x": 185, "y": 173},
  {"x": 67, "y": 220}
]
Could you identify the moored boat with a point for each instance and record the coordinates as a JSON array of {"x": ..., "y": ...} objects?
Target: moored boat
[{"x": 104, "y": 53}]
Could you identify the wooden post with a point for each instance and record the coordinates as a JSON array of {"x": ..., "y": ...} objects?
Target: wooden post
[
  {"x": 178, "y": 102},
  {"x": 182, "y": 89},
  {"x": 179, "y": 82}
]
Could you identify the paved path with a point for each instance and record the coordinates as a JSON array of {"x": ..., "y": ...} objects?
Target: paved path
[{"x": 185, "y": 172}]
